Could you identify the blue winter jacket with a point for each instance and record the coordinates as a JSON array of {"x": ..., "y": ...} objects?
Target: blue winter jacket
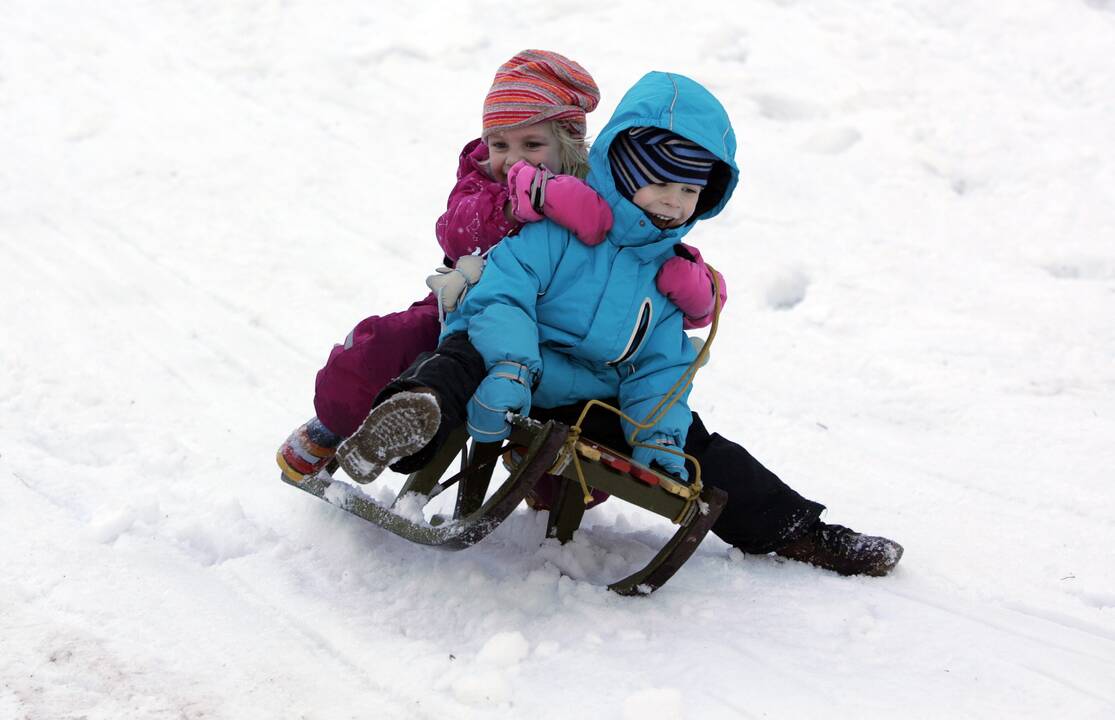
[{"x": 589, "y": 321}]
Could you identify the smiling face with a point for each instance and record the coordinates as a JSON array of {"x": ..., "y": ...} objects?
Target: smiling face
[
  {"x": 668, "y": 205},
  {"x": 537, "y": 144}
]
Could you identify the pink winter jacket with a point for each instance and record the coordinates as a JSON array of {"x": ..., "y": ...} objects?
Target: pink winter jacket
[{"x": 474, "y": 219}]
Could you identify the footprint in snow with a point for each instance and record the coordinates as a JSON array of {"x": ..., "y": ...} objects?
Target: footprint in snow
[
  {"x": 832, "y": 141},
  {"x": 1082, "y": 269},
  {"x": 786, "y": 109},
  {"x": 787, "y": 289}
]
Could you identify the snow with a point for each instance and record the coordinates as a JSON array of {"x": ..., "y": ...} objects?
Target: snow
[{"x": 198, "y": 199}]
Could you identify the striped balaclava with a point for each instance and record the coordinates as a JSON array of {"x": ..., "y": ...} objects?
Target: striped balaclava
[
  {"x": 649, "y": 155},
  {"x": 538, "y": 86}
]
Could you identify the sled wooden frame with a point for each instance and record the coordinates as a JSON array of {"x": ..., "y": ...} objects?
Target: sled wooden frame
[{"x": 545, "y": 446}]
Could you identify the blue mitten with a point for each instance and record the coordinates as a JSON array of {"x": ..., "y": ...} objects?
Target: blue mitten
[
  {"x": 506, "y": 389},
  {"x": 668, "y": 461}
]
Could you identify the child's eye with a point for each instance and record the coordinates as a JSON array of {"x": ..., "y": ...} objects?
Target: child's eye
[{"x": 497, "y": 146}]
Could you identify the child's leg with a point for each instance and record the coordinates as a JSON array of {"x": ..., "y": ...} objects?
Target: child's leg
[
  {"x": 450, "y": 375},
  {"x": 378, "y": 349},
  {"x": 762, "y": 513}
]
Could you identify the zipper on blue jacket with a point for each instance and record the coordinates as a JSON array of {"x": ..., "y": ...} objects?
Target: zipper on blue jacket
[{"x": 640, "y": 332}]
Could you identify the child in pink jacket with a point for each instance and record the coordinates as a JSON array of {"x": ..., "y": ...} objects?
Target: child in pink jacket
[{"x": 533, "y": 122}]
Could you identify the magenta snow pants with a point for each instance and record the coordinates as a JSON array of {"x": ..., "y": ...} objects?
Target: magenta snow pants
[{"x": 377, "y": 351}]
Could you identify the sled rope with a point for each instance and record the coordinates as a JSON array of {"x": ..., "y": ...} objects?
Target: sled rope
[{"x": 655, "y": 415}]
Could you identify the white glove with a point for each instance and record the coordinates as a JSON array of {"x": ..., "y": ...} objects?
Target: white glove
[{"x": 451, "y": 284}]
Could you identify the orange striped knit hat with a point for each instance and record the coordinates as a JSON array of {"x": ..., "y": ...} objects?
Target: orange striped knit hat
[{"x": 536, "y": 86}]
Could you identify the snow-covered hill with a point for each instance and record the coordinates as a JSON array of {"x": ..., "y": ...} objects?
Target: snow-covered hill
[{"x": 198, "y": 199}]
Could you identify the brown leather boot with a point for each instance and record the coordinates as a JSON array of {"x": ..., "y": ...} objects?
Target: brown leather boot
[
  {"x": 399, "y": 426},
  {"x": 835, "y": 547}
]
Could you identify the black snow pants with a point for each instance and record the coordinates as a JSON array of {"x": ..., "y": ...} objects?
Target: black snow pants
[{"x": 762, "y": 513}]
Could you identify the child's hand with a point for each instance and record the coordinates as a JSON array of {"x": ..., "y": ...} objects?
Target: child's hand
[
  {"x": 668, "y": 461},
  {"x": 506, "y": 389},
  {"x": 526, "y": 186},
  {"x": 687, "y": 282},
  {"x": 536, "y": 193},
  {"x": 451, "y": 284}
]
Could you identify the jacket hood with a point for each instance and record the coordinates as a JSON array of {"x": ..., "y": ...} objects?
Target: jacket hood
[{"x": 685, "y": 107}]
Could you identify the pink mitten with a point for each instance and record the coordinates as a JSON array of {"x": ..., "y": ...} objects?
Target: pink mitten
[
  {"x": 524, "y": 184},
  {"x": 568, "y": 201},
  {"x": 687, "y": 282}
]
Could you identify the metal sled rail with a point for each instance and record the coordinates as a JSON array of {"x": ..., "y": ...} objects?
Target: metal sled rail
[
  {"x": 465, "y": 530},
  {"x": 619, "y": 476}
]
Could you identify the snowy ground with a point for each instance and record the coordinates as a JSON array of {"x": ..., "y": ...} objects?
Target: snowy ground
[{"x": 198, "y": 199}]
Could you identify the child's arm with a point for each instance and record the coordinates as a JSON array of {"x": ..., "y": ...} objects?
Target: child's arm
[
  {"x": 474, "y": 219},
  {"x": 660, "y": 364},
  {"x": 687, "y": 281},
  {"x": 501, "y": 317},
  {"x": 567, "y": 200}
]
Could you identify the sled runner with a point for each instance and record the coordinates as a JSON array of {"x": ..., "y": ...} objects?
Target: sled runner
[{"x": 539, "y": 448}]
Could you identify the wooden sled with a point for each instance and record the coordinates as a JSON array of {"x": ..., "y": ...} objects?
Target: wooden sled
[{"x": 542, "y": 448}]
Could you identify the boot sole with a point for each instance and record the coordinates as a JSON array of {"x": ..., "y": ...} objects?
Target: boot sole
[{"x": 400, "y": 426}]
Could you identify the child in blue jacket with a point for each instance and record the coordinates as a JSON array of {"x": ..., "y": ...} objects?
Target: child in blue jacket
[{"x": 553, "y": 322}]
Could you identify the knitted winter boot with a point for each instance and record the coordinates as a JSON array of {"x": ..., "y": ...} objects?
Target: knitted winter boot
[
  {"x": 835, "y": 547},
  {"x": 399, "y": 426},
  {"x": 308, "y": 449}
]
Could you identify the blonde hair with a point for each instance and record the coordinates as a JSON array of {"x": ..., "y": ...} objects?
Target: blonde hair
[{"x": 572, "y": 151}]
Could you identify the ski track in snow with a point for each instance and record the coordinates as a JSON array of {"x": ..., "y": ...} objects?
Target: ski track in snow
[{"x": 197, "y": 201}]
